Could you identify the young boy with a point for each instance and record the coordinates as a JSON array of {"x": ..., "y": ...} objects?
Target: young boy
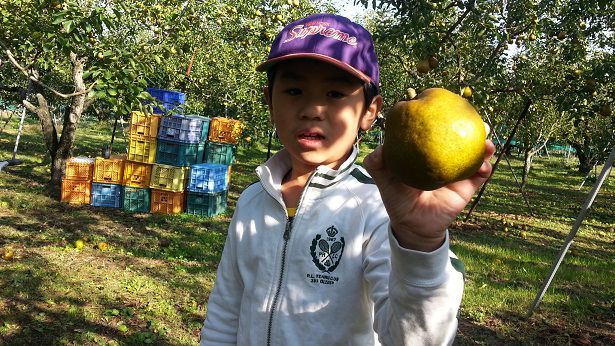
[{"x": 316, "y": 253}]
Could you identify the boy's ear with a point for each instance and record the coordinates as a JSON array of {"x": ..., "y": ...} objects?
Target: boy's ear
[
  {"x": 267, "y": 97},
  {"x": 371, "y": 113}
]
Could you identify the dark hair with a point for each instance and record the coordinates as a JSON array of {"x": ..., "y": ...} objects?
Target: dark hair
[{"x": 369, "y": 89}]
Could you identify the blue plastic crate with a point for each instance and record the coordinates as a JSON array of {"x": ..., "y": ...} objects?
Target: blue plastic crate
[
  {"x": 167, "y": 99},
  {"x": 208, "y": 178},
  {"x": 106, "y": 195},
  {"x": 206, "y": 204},
  {"x": 184, "y": 128},
  {"x": 179, "y": 154},
  {"x": 222, "y": 153}
]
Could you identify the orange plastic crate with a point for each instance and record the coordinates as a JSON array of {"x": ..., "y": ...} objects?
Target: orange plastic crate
[
  {"x": 110, "y": 171},
  {"x": 170, "y": 178},
  {"x": 225, "y": 130},
  {"x": 76, "y": 191},
  {"x": 137, "y": 174},
  {"x": 142, "y": 149},
  {"x": 167, "y": 202},
  {"x": 79, "y": 168},
  {"x": 143, "y": 125}
]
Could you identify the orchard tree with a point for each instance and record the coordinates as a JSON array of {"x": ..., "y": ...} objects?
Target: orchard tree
[
  {"x": 102, "y": 54},
  {"x": 76, "y": 53},
  {"x": 527, "y": 48}
]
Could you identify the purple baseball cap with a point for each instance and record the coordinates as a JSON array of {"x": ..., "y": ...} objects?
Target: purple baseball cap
[{"x": 330, "y": 38}]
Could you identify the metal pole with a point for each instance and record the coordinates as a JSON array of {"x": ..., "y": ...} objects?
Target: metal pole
[
  {"x": 526, "y": 108},
  {"x": 527, "y": 202},
  {"x": 23, "y": 115},
  {"x": 588, "y": 202}
]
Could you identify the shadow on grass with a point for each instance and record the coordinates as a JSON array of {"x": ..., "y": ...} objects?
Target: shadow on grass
[
  {"x": 580, "y": 280},
  {"x": 34, "y": 315}
]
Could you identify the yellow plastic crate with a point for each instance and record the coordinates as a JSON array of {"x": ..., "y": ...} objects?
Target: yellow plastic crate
[
  {"x": 143, "y": 125},
  {"x": 76, "y": 191},
  {"x": 228, "y": 179},
  {"x": 225, "y": 130},
  {"x": 167, "y": 202},
  {"x": 137, "y": 174},
  {"x": 170, "y": 178},
  {"x": 142, "y": 149},
  {"x": 109, "y": 170},
  {"x": 79, "y": 168}
]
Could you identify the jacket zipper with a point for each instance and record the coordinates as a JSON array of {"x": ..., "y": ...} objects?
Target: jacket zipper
[{"x": 289, "y": 225}]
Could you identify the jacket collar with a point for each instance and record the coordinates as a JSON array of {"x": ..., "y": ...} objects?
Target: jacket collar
[{"x": 272, "y": 172}]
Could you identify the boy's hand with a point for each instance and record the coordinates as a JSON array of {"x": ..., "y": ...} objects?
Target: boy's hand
[{"x": 419, "y": 218}]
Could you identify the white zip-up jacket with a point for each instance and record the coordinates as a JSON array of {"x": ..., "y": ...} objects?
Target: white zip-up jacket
[{"x": 332, "y": 275}]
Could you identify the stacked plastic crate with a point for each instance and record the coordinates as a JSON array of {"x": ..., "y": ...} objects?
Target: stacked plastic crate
[
  {"x": 179, "y": 144},
  {"x": 209, "y": 182},
  {"x": 107, "y": 182},
  {"x": 141, "y": 157},
  {"x": 77, "y": 180}
]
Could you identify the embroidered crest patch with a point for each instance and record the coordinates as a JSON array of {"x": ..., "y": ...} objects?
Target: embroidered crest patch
[{"x": 327, "y": 251}]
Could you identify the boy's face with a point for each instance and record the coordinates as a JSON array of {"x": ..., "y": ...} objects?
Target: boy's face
[{"x": 318, "y": 109}]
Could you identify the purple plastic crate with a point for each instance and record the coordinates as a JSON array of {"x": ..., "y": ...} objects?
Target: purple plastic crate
[
  {"x": 167, "y": 99},
  {"x": 208, "y": 177},
  {"x": 184, "y": 128}
]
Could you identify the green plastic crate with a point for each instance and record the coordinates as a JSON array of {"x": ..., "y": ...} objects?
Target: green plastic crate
[
  {"x": 137, "y": 199},
  {"x": 179, "y": 154},
  {"x": 206, "y": 204},
  {"x": 222, "y": 153}
]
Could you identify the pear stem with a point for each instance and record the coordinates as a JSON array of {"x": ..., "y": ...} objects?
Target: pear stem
[{"x": 410, "y": 94}]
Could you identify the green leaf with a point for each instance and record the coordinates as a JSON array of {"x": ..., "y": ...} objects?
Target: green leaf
[
  {"x": 58, "y": 20},
  {"x": 112, "y": 92},
  {"x": 68, "y": 26}
]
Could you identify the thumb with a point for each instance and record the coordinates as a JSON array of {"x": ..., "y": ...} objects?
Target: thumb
[
  {"x": 374, "y": 161},
  {"x": 376, "y": 167}
]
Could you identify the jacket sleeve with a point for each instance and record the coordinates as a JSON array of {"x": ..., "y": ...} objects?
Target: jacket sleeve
[
  {"x": 222, "y": 321},
  {"x": 416, "y": 294}
]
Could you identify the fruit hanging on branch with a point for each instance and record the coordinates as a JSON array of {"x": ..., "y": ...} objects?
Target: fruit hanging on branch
[
  {"x": 467, "y": 91},
  {"x": 434, "y": 139},
  {"x": 423, "y": 66},
  {"x": 605, "y": 110}
]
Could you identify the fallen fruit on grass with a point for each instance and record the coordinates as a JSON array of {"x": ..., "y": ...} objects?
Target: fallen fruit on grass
[
  {"x": 8, "y": 254},
  {"x": 433, "y": 139},
  {"x": 102, "y": 246},
  {"x": 523, "y": 234},
  {"x": 79, "y": 244}
]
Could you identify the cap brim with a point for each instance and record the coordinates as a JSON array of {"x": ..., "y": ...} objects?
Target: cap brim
[{"x": 353, "y": 71}]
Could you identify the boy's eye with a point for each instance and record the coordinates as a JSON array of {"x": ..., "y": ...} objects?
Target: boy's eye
[
  {"x": 293, "y": 91},
  {"x": 335, "y": 94}
]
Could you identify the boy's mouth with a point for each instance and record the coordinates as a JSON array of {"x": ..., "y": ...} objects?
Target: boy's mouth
[{"x": 310, "y": 138}]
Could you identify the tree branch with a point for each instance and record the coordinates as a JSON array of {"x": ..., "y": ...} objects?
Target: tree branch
[
  {"x": 37, "y": 81},
  {"x": 448, "y": 34}
]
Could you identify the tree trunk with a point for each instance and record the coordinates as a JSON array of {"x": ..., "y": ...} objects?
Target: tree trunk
[
  {"x": 60, "y": 149},
  {"x": 584, "y": 159},
  {"x": 528, "y": 156}
]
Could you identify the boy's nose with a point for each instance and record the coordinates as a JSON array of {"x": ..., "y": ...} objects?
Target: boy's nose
[{"x": 313, "y": 111}]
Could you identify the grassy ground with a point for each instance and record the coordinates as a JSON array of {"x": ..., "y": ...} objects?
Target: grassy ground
[{"x": 151, "y": 285}]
